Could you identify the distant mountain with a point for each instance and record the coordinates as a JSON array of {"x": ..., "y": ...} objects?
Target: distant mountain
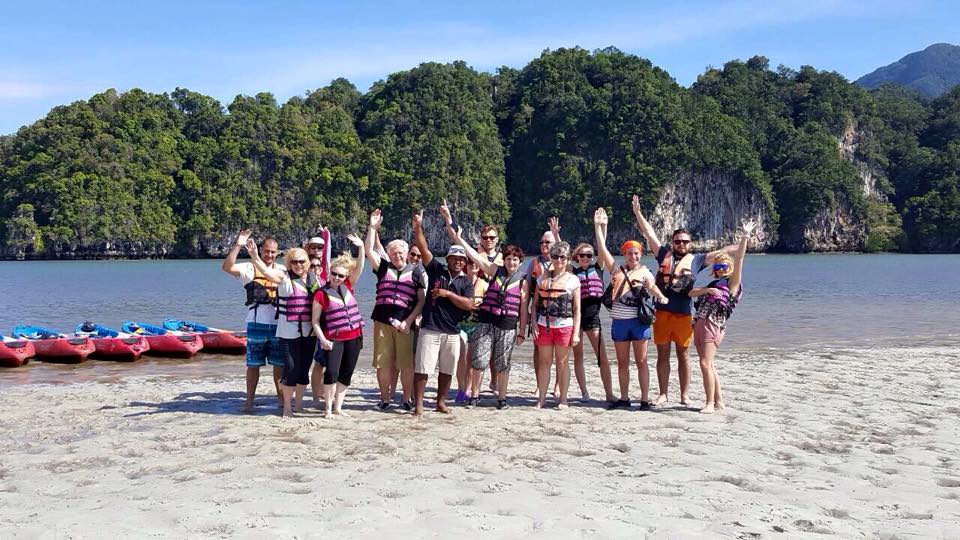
[{"x": 932, "y": 71}]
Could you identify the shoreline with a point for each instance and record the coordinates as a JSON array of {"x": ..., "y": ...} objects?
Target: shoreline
[{"x": 812, "y": 444}]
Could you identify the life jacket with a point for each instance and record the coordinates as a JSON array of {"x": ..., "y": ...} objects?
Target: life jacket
[
  {"x": 537, "y": 268},
  {"x": 718, "y": 308},
  {"x": 342, "y": 314},
  {"x": 502, "y": 298},
  {"x": 496, "y": 259},
  {"x": 554, "y": 303},
  {"x": 591, "y": 281},
  {"x": 298, "y": 307},
  {"x": 676, "y": 278},
  {"x": 261, "y": 291},
  {"x": 396, "y": 287}
]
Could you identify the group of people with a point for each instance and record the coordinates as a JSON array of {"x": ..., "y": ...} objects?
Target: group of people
[{"x": 463, "y": 316}]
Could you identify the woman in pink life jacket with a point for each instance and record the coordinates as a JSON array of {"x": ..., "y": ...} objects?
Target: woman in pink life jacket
[
  {"x": 338, "y": 325},
  {"x": 294, "y": 313},
  {"x": 590, "y": 273},
  {"x": 714, "y": 305}
]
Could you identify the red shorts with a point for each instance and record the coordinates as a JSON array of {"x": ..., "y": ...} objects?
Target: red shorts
[{"x": 554, "y": 335}]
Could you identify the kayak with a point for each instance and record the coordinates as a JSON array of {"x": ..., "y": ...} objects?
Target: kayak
[
  {"x": 164, "y": 342},
  {"x": 216, "y": 340},
  {"x": 15, "y": 352},
  {"x": 109, "y": 344},
  {"x": 52, "y": 346}
]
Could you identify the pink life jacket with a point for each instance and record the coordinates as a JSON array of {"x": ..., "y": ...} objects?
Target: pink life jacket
[
  {"x": 502, "y": 298},
  {"x": 342, "y": 314}
]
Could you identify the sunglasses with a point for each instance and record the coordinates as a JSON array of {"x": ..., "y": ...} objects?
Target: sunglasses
[
  {"x": 488, "y": 237},
  {"x": 585, "y": 255},
  {"x": 315, "y": 266},
  {"x": 338, "y": 275},
  {"x": 721, "y": 266},
  {"x": 558, "y": 257},
  {"x": 682, "y": 241},
  {"x": 299, "y": 261},
  {"x": 546, "y": 242},
  {"x": 415, "y": 256}
]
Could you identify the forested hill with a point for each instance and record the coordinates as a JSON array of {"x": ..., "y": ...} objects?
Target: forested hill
[
  {"x": 824, "y": 163},
  {"x": 932, "y": 72}
]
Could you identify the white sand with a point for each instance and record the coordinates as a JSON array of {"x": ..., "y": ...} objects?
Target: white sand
[{"x": 853, "y": 443}]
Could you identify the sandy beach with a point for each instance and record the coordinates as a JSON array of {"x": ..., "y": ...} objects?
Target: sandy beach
[{"x": 847, "y": 443}]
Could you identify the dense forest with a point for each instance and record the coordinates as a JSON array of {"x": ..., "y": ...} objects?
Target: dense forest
[{"x": 142, "y": 174}]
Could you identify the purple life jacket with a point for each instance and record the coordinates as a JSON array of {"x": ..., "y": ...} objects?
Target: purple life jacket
[
  {"x": 342, "y": 314},
  {"x": 502, "y": 298},
  {"x": 591, "y": 282},
  {"x": 297, "y": 307},
  {"x": 397, "y": 288}
]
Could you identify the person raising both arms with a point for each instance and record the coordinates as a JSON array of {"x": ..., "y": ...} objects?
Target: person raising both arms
[
  {"x": 339, "y": 326},
  {"x": 557, "y": 301},
  {"x": 498, "y": 315},
  {"x": 451, "y": 300},
  {"x": 629, "y": 284},
  {"x": 714, "y": 305},
  {"x": 400, "y": 298},
  {"x": 294, "y": 312},
  {"x": 262, "y": 345},
  {"x": 676, "y": 274}
]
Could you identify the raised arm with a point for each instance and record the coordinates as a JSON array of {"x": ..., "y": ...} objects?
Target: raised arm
[
  {"x": 230, "y": 263},
  {"x": 418, "y": 237},
  {"x": 730, "y": 250},
  {"x": 273, "y": 274},
  {"x": 600, "y": 229},
  {"x": 486, "y": 266},
  {"x": 645, "y": 228},
  {"x": 357, "y": 268},
  {"x": 369, "y": 247},
  {"x": 749, "y": 227},
  {"x": 554, "y": 223}
]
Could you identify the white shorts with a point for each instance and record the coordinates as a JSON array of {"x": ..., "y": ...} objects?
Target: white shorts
[{"x": 437, "y": 348}]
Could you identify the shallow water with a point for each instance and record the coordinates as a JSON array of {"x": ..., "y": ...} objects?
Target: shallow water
[{"x": 790, "y": 302}]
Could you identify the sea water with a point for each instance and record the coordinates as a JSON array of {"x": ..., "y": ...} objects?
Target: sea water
[{"x": 790, "y": 303}]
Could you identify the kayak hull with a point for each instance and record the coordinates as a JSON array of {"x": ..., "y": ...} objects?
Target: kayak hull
[
  {"x": 15, "y": 353},
  {"x": 123, "y": 349},
  {"x": 225, "y": 342},
  {"x": 170, "y": 345},
  {"x": 71, "y": 350}
]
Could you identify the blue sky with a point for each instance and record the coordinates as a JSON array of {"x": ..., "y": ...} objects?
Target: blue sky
[{"x": 55, "y": 53}]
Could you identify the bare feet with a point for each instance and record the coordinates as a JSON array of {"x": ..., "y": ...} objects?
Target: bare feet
[
  {"x": 561, "y": 406},
  {"x": 539, "y": 405},
  {"x": 684, "y": 401},
  {"x": 287, "y": 413},
  {"x": 585, "y": 395},
  {"x": 661, "y": 399},
  {"x": 442, "y": 408},
  {"x": 247, "y": 408},
  {"x": 708, "y": 409},
  {"x": 720, "y": 406},
  {"x": 339, "y": 412}
]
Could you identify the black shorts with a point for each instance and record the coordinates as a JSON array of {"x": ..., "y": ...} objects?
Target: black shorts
[{"x": 590, "y": 322}]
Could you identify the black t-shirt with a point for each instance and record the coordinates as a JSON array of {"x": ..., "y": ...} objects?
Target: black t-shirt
[
  {"x": 440, "y": 314},
  {"x": 589, "y": 307},
  {"x": 384, "y": 312}
]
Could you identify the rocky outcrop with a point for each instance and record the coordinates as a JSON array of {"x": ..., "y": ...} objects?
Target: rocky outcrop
[{"x": 711, "y": 205}]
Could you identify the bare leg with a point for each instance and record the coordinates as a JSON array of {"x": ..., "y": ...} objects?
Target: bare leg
[
  {"x": 253, "y": 378},
  {"x": 287, "y": 397},
  {"x": 683, "y": 369},
  {"x": 562, "y": 355},
  {"x": 384, "y": 375},
  {"x": 502, "y": 380},
  {"x": 298, "y": 406},
  {"x": 316, "y": 385},
  {"x": 476, "y": 382},
  {"x": 463, "y": 367},
  {"x": 578, "y": 369},
  {"x": 420, "y": 388},
  {"x": 596, "y": 341},
  {"x": 493, "y": 376},
  {"x": 717, "y": 397},
  {"x": 663, "y": 373},
  {"x": 406, "y": 380},
  {"x": 443, "y": 388},
  {"x": 277, "y": 375},
  {"x": 394, "y": 376},
  {"x": 536, "y": 365},
  {"x": 328, "y": 397},
  {"x": 341, "y": 392},
  {"x": 706, "y": 352},
  {"x": 643, "y": 369},
  {"x": 622, "y": 349},
  {"x": 544, "y": 359}
]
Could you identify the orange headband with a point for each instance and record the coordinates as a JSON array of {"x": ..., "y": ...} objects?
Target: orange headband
[{"x": 631, "y": 244}]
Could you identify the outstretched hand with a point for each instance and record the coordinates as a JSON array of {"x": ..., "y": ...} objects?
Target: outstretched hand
[
  {"x": 751, "y": 230},
  {"x": 355, "y": 240},
  {"x": 251, "y": 247},
  {"x": 376, "y": 219},
  {"x": 416, "y": 220},
  {"x": 635, "y": 203},
  {"x": 600, "y": 216},
  {"x": 243, "y": 236},
  {"x": 554, "y": 223},
  {"x": 445, "y": 213}
]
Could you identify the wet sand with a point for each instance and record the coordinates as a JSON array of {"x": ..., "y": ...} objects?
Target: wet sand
[{"x": 847, "y": 443}]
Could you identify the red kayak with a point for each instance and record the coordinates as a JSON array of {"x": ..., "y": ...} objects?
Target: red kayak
[
  {"x": 109, "y": 344},
  {"x": 52, "y": 346},
  {"x": 164, "y": 342},
  {"x": 15, "y": 352},
  {"x": 215, "y": 340}
]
